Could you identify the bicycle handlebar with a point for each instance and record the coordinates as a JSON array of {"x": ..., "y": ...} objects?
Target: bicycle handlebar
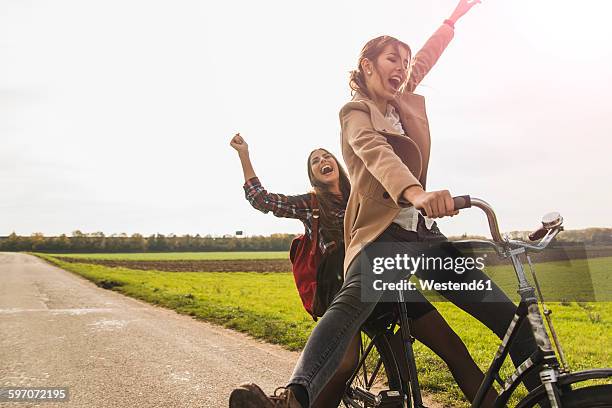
[
  {"x": 466, "y": 201},
  {"x": 551, "y": 224},
  {"x": 493, "y": 225}
]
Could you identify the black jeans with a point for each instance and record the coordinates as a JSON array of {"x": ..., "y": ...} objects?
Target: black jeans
[{"x": 330, "y": 339}]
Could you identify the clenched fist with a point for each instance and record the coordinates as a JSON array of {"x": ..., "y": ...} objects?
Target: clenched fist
[
  {"x": 239, "y": 143},
  {"x": 436, "y": 204}
]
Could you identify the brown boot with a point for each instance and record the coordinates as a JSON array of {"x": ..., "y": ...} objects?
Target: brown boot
[{"x": 251, "y": 396}]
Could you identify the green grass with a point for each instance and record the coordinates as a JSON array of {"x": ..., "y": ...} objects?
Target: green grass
[
  {"x": 579, "y": 280},
  {"x": 180, "y": 256},
  {"x": 266, "y": 306}
]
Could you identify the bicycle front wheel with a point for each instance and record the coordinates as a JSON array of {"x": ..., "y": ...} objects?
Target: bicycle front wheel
[
  {"x": 595, "y": 396},
  {"x": 377, "y": 381}
]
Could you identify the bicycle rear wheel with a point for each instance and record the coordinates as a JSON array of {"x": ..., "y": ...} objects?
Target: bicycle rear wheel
[
  {"x": 595, "y": 396},
  {"x": 377, "y": 382}
]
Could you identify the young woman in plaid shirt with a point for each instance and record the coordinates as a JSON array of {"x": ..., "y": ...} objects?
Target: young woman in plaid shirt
[
  {"x": 330, "y": 184},
  {"x": 332, "y": 188}
]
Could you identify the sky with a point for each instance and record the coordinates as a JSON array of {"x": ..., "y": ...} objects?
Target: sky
[{"x": 116, "y": 116}]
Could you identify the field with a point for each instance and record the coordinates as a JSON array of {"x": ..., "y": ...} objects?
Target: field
[
  {"x": 266, "y": 306},
  {"x": 189, "y": 261}
]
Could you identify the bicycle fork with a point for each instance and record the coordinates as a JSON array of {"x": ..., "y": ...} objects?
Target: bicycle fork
[{"x": 543, "y": 358}]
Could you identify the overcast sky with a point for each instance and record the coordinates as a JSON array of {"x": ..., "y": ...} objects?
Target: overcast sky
[{"x": 116, "y": 116}]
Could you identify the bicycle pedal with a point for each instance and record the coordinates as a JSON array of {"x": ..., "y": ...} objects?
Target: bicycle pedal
[
  {"x": 384, "y": 399},
  {"x": 390, "y": 399}
]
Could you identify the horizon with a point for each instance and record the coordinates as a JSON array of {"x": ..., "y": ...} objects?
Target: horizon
[{"x": 201, "y": 235}]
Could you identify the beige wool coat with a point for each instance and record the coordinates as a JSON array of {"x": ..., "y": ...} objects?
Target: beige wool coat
[{"x": 381, "y": 162}]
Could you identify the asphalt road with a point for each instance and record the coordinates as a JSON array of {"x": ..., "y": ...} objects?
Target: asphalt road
[{"x": 60, "y": 330}]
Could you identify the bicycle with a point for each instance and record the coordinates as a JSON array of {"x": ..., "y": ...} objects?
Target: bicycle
[{"x": 377, "y": 381}]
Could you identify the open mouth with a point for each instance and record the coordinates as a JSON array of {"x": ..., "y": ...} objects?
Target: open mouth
[
  {"x": 395, "y": 82},
  {"x": 326, "y": 169}
]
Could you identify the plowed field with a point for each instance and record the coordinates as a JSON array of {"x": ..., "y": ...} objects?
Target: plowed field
[{"x": 236, "y": 265}]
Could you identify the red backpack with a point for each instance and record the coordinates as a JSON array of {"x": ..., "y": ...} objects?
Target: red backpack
[{"x": 305, "y": 257}]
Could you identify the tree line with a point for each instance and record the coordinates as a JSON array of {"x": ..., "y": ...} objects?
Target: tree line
[{"x": 98, "y": 242}]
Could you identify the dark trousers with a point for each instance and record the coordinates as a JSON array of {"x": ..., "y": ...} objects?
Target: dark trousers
[{"x": 330, "y": 339}]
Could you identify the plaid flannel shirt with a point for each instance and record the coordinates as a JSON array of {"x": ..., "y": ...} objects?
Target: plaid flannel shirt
[{"x": 293, "y": 206}]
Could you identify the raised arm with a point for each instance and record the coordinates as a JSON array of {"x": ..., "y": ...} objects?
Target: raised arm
[
  {"x": 286, "y": 206},
  {"x": 426, "y": 58},
  {"x": 241, "y": 146}
]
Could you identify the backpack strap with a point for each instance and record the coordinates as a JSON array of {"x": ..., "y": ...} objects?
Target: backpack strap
[{"x": 315, "y": 223}]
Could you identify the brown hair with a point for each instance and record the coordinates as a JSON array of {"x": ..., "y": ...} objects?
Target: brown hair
[
  {"x": 371, "y": 51},
  {"x": 331, "y": 225}
]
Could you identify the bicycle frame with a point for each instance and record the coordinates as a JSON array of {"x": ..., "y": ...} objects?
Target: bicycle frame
[
  {"x": 555, "y": 378},
  {"x": 544, "y": 358}
]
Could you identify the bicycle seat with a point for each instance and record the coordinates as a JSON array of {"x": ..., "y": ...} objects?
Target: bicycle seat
[{"x": 383, "y": 316}]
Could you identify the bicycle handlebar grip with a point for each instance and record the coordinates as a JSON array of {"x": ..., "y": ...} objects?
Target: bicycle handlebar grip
[
  {"x": 537, "y": 235},
  {"x": 462, "y": 202}
]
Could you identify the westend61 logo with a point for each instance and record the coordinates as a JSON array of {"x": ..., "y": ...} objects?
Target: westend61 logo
[{"x": 411, "y": 264}]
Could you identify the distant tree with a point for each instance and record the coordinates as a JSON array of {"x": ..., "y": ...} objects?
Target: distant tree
[
  {"x": 137, "y": 243},
  {"x": 63, "y": 243},
  {"x": 15, "y": 243},
  {"x": 38, "y": 242}
]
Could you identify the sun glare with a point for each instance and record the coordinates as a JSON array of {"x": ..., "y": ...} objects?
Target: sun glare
[{"x": 563, "y": 28}]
